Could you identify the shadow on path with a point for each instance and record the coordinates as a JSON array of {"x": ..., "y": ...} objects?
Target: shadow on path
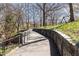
[
  {"x": 32, "y": 42},
  {"x": 53, "y": 48}
]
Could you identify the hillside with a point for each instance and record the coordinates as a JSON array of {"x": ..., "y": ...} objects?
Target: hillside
[{"x": 71, "y": 29}]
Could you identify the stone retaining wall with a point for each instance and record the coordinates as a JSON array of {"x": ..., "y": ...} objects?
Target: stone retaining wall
[{"x": 65, "y": 46}]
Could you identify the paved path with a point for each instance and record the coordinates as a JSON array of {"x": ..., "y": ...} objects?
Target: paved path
[{"x": 36, "y": 45}]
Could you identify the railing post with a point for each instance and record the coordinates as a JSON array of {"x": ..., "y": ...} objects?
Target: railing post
[{"x": 3, "y": 48}]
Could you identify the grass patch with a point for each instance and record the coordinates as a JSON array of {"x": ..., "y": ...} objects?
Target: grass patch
[
  {"x": 50, "y": 26},
  {"x": 7, "y": 49},
  {"x": 71, "y": 29}
]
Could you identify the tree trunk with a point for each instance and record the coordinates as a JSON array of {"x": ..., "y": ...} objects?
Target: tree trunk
[
  {"x": 71, "y": 12},
  {"x": 40, "y": 19},
  {"x": 40, "y": 22},
  {"x": 52, "y": 19},
  {"x": 44, "y": 14},
  {"x": 34, "y": 25},
  {"x": 28, "y": 22},
  {"x": 28, "y": 19}
]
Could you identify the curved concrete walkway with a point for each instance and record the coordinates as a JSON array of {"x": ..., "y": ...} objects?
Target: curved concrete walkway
[{"x": 35, "y": 45}]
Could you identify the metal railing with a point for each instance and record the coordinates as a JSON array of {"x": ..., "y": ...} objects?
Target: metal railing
[{"x": 8, "y": 44}]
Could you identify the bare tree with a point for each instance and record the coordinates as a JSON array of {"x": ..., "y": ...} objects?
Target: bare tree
[{"x": 46, "y": 8}]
